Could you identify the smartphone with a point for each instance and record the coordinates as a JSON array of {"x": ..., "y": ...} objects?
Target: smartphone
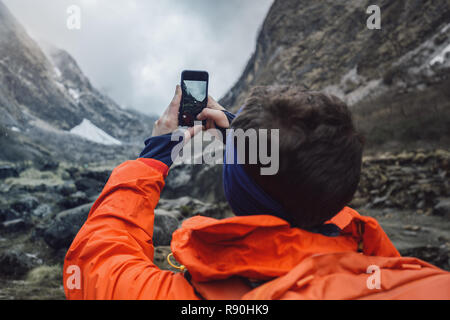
[{"x": 194, "y": 85}]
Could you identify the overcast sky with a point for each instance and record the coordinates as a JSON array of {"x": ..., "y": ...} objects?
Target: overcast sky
[{"x": 135, "y": 50}]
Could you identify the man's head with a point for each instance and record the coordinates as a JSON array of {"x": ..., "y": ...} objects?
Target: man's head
[{"x": 320, "y": 152}]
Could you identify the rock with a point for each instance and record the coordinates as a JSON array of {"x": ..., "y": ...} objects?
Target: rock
[
  {"x": 358, "y": 202},
  {"x": 6, "y": 214},
  {"x": 379, "y": 201},
  {"x": 74, "y": 200},
  {"x": 62, "y": 230},
  {"x": 8, "y": 171},
  {"x": 65, "y": 175},
  {"x": 409, "y": 233},
  {"x": 14, "y": 225},
  {"x": 166, "y": 223},
  {"x": 160, "y": 258},
  {"x": 412, "y": 228},
  {"x": 15, "y": 264},
  {"x": 42, "y": 211},
  {"x": 90, "y": 186},
  {"x": 443, "y": 154},
  {"x": 189, "y": 207},
  {"x": 420, "y": 157},
  {"x": 417, "y": 184},
  {"x": 67, "y": 188},
  {"x": 73, "y": 172},
  {"x": 47, "y": 165},
  {"x": 442, "y": 208},
  {"x": 438, "y": 256},
  {"x": 203, "y": 182},
  {"x": 25, "y": 205},
  {"x": 99, "y": 175},
  {"x": 32, "y": 187}
]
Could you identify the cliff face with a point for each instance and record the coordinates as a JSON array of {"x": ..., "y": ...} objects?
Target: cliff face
[
  {"x": 396, "y": 77},
  {"x": 43, "y": 95}
]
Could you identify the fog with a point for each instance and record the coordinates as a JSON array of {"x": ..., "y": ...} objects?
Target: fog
[{"x": 135, "y": 50}]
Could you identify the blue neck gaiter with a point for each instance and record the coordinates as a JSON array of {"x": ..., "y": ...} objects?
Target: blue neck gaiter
[{"x": 243, "y": 194}]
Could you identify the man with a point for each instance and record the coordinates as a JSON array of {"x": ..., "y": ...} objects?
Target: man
[{"x": 292, "y": 238}]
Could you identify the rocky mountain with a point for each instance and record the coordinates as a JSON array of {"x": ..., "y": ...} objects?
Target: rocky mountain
[
  {"x": 43, "y": 95},
  {"x": 395, "y": 79}
]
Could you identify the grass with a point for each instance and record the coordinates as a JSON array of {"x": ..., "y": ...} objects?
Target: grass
[
  {"x": 396, "y": 121},
  {"x": 41, "y": 283}
]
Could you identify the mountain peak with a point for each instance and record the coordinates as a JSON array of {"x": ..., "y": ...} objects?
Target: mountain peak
[
  {"x": 388, "y": 77},
  {"x": 49, "y": 92}
]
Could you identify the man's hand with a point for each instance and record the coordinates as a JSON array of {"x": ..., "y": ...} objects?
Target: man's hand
[
  {"x": 168, "y": 123},
  {"x": 214, "y": 115}
]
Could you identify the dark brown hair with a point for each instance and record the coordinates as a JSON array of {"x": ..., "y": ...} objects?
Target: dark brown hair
[{"x": 320, "y": 151}]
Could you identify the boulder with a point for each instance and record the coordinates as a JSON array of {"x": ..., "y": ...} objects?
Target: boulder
[
  {"x": 6, "y": 214},
  {"x": 15, "y": 264},
  {"x": 189, "y": 207},
  {"x": 25, "y": 204},
  {"x": 42, "y": 211},
  {"x": 202, "y": 182},
  {"x": 89, "y": 186},
  {"x": 66, "y": 189},
  {"x": 62, "y": 230},
  {"x": 16, "y": 225},
  {"x": 415, "y": 181},
  {"x": 8, "y": 171},
  {"x": 442, "y": 208},
  {"x": 74, "y": 200},
  {"x": 166, "y": 223},
  {"x": 47, "y": 165},
  {"x": 73, "y": 172},
  {"x": 99, "y": 175}
]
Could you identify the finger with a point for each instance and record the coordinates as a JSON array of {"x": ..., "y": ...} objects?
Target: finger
[
  {"x": 213, "y": 104},
  {"x": 210, "y": 124},
  {"x": 174, "y": 106},
  {"x": 217, "y": 116}
]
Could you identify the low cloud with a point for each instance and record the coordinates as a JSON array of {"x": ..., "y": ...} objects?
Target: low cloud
[{"x": 135, "y": 50}]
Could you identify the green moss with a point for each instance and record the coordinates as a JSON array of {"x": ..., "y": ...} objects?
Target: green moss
[
  {"x": 45, "y": 276},
  {"x": 186, "y": 211}
]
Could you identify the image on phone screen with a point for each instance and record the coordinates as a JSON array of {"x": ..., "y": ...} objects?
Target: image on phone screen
[{"x": 194, "y": 98}]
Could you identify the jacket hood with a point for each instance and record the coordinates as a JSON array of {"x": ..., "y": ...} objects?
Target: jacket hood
[{"x": 266, "y": 247}]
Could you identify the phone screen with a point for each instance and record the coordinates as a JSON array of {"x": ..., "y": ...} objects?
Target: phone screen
[{"x": 195, "y": 96}]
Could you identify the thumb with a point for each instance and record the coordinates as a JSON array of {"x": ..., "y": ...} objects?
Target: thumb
[
  {"x": 177, "y": 97},
  {"x": 174, "y": 106},
  {"x": 213, "y": 104},
  {"x": 217, "y": 116}
]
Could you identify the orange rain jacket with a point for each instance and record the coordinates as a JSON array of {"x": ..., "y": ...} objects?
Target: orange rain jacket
[{"x": 113, "y": 253}]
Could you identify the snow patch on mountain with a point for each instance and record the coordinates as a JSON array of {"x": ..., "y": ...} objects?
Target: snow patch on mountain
[
  {"x": 58, "y": 73},
  {"x": 89, "y": 131},
  {"x": 441, "y": 57},
  {"x": 75, "y": 94}
]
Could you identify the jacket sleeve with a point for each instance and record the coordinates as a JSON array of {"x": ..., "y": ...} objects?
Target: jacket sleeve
[{"x": 112, "y": 255}]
